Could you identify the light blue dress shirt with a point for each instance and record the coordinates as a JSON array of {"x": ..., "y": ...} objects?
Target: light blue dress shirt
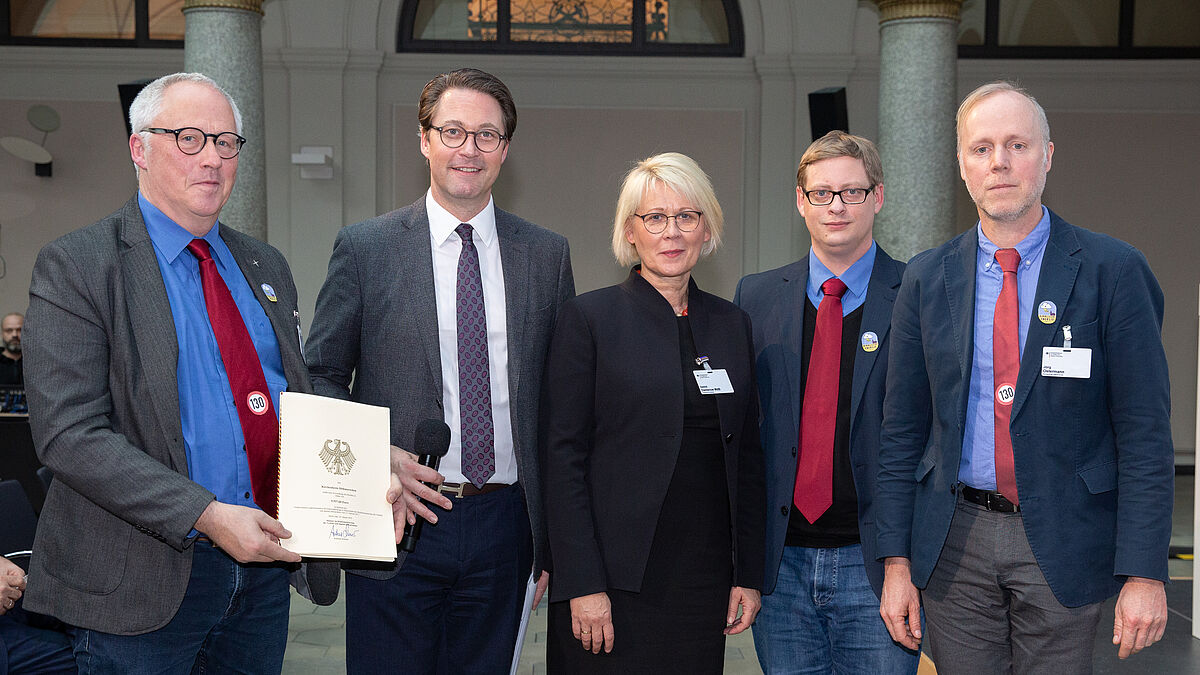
[
  {"x": 978, "y": 465},
  {"x": 212, "y": 432},
  {"x": 857, "y": 277}
]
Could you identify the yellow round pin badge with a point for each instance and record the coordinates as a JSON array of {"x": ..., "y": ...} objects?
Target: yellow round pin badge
[
  {"x": 1047, "y": 312},
  {"x": 870, "y": 341}
]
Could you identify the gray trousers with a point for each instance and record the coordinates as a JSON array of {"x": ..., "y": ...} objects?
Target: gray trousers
[{"x": 990, "y": 610}]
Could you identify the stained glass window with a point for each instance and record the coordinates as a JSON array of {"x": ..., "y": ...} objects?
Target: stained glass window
[{"x": 579, "y": 26}]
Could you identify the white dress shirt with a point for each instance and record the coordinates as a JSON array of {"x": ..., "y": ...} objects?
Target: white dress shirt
[{"x": 446, "y": 249}]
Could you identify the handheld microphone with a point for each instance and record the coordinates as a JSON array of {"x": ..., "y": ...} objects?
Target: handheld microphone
[{"x": 430, "y": 443}]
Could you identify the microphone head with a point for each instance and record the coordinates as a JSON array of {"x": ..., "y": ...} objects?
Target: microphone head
[{"x": 431, "y": 438}]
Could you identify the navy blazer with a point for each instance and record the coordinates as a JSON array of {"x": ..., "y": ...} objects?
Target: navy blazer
[
  {"x": 775, "y": 302},
  {"x": 614, "y": 423},
  {"x": 1094, "y": 458}
]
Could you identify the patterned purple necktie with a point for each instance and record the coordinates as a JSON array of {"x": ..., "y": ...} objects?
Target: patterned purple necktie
[{"x": 474, "y": 376}]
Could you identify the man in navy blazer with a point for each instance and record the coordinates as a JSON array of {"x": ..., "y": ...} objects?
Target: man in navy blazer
[
  {"x": 1015, "y": 549},
  {"x": 822, "y": 580}
]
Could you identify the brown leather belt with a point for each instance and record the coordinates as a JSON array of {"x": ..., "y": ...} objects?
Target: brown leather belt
[
  {"x": 992, "y": 501},
  {"x": 460, "y": 490}
]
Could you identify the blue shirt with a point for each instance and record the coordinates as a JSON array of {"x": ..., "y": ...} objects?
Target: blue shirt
[
  {"x": 212, "y": 432},
  {"x": 978, "y": 465},
  {"x": 856, "y": 278}
]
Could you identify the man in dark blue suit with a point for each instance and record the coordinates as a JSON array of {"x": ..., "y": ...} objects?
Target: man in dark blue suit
[
  {"x": 821, "y": 387},
  {"x": 1044, "y": 485}
]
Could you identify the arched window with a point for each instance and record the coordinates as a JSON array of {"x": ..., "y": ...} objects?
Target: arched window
[
  {"x": 613, "y": 27},
  {"x": 92, "y": 23}
]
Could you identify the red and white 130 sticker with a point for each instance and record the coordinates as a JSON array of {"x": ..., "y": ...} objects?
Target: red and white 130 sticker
[
  {"x": 1005, "y": 393},
  {"x": 257, "y": 403}
]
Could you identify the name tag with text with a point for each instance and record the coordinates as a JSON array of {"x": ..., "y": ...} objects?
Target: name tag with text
[
  {"x": 1061, "y": 362},
  {"x": 714, "y": 381}
]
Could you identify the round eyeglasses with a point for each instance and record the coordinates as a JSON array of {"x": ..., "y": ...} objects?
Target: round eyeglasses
[
  {"x": 850, "y": 196},
  {"x": 486, "y": 140},
  {"x": 191, "y": 141},
  {"x": 656, "y": 223}
]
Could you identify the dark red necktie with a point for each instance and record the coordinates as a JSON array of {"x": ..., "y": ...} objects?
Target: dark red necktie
[
  {"x": 251, "y": 397},
  {"x": 818, "y": 418},
  {"x": 1006, "y": 361}
]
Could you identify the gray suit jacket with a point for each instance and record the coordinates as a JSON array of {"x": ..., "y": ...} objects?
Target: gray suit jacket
[
  {"x": 112, "y": 551},
  {"x": 376, "y": 322}
]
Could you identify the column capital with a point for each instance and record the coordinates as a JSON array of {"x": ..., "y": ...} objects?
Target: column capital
[
  {"x": 245, "y": 5},
  {"x": 891, "y": 10}
]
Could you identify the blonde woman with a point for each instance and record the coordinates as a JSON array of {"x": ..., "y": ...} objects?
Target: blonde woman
[{"x": 653, "y": 469}]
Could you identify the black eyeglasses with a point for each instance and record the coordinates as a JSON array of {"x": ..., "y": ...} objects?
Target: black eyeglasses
[
  {"x": 191, "y": 141},
  {"x": 850, "y": 196},
  {"x": 656, "y": 222},
  {"x": 486, "y": 140}
]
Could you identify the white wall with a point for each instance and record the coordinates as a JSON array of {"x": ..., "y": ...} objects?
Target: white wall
[{"x": 332, "y": 77}]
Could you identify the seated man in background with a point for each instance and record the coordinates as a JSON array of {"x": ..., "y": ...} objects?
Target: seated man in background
[{"x": 10, "y": 356}]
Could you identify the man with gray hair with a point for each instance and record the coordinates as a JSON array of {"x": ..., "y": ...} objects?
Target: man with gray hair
[
  {"x": 158, "y": 343},
  {"x": 1026, "y": 464}
]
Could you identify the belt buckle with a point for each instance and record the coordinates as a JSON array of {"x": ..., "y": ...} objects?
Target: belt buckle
[
  {"x": 457, "y": 492},
  {"x": 998, "y": 502}
]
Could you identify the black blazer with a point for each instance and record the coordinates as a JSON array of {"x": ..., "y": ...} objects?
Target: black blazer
[{"x": 614, "y": 424}]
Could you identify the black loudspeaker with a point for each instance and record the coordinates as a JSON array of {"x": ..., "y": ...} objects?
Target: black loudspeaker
[
  {"x": 128, "y": 92},
  {"x": 827, "y": 111}
]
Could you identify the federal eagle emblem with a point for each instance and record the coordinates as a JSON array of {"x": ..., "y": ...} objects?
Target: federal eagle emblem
[{"x": 337, "y": 457}]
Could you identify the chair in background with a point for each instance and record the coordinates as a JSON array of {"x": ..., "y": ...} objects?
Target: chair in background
[
  {"x": 45, "y": 475},
  {"x": 19, "y": 523}
]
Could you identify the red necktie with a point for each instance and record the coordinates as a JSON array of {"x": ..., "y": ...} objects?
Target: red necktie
[
  {"x": 251, "y": 397},
  {"x": 1006, "y": 361},
  {"x": 818, "y": 418}
]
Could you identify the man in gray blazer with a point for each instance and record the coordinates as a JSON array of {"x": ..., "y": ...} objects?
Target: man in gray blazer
[
  {"x": 443, "y": 310},
  {"x": 135, "y": 404}
]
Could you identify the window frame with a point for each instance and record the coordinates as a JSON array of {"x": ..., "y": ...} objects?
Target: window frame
[
  {"x": 141, "y": 33},
  {"x": 1125, "y": 49},
  {"x": 405, "y": 42}
]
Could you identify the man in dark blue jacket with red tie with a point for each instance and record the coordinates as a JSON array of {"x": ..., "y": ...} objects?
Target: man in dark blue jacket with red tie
[
  {"x": 1026, "y": 466},
  {"x": 821, "y": 350}
]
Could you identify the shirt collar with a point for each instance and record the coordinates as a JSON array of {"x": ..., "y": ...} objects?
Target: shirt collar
[
  {"x": 1027, "y": 247},
  {"x": 442, "y": 224},
  {"x": 856, "y": 277},
  {"x": 171, "y": 239}
]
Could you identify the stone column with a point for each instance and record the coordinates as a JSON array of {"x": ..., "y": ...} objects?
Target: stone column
[
  {"x": 918, "y": 91},
  {"x": 223, "y": 40}
]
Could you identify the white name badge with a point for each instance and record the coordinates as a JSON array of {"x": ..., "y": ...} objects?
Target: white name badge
[
  {"x": 714, "y": 381},
  {"x": 1061, "y": 362}
]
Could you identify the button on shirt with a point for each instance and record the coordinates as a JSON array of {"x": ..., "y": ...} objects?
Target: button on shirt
[
  {"x": 447, "y": 246},
  {"x": 857, "y": 277},
  {"x": 977, "y": 467},
  {"x": 212, "y": 432}
]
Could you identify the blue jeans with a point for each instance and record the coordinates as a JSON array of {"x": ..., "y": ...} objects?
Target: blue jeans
[
  {"x": 823, "y": 617},
  {"x": 233, "y": 618},
  {"x": 32, "y": 650}
]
